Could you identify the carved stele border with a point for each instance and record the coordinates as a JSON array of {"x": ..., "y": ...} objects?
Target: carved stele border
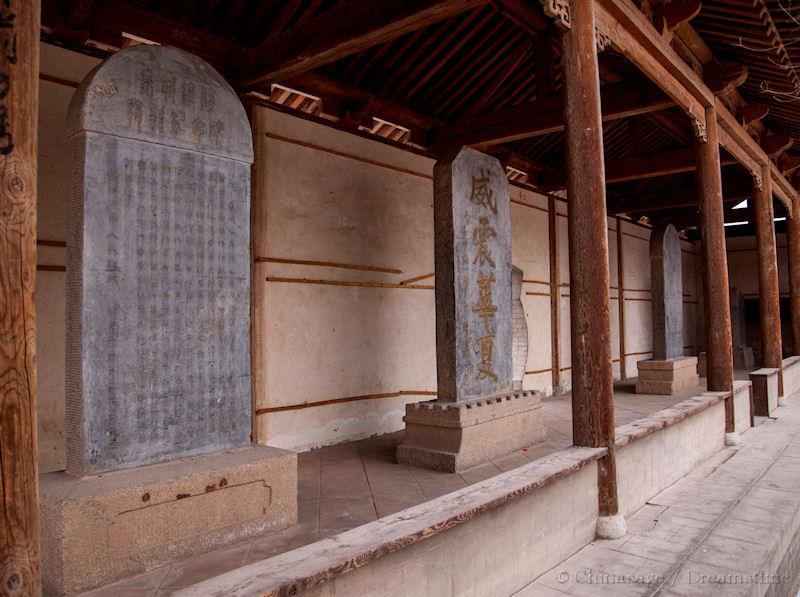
[
  {"x": 558, "y": 10},
  {"x": 699, "y": 129}
]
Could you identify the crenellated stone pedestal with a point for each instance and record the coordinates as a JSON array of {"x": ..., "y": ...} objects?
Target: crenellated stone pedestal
[
  {"x": 453, "y": 436},
  {"x": 668, "y": 377}
]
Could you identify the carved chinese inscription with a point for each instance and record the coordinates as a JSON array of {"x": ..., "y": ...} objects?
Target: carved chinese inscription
[
  {"x": 473, "y": 276},
  {"x": 158, "y": 273}
]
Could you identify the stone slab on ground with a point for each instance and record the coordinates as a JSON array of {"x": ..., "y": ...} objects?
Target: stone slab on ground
[{"x": 103, "y": 528}]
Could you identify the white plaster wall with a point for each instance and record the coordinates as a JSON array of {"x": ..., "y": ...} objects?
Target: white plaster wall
[
  {"x": 336, "y": 197},
  {"x": 743, "y": 264}
]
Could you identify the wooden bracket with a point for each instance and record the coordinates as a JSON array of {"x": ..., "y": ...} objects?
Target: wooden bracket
[
  {"x": 776, "y": 144},
  {"x": 699, "y": 129},
  {"x": 558, "y": 10},
  {"x": 669, "y": 15},
  {"x": 752, "y": 113},
  {"x": 724, "y": 76},
  {"x": 788, "y": 164}
]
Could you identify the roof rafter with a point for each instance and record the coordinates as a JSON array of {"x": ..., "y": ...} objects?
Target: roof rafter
[{"x": 354, "y": 26}]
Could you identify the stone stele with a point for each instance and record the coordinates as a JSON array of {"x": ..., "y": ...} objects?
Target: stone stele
[
  {"x": 669, "y": 372},
  {"x": 158, "y": 351},
  {"x": 477, "y": 414}
]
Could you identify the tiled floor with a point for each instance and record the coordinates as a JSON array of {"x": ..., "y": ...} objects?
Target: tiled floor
[
  {"x": 718, "y": 531},
  {"x": 344, "y": 486}
]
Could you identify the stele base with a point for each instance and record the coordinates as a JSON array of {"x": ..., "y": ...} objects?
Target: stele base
[
  {"x": 668, "y": 377},
  {"x": 453, "y": 436},
  {"x": 99, "y": 529}
]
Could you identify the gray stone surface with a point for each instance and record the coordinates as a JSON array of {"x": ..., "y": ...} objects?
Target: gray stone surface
[
  {"x": 666, "y": 275},
  {"x": 519, "y": 334},
  {"x": 158, "y": 361},
  {"x": 473, "y": 276}
]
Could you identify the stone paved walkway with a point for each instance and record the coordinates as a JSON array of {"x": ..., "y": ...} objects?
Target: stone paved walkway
[
  {"x": 344, "y": 486},
  {"x": 722, "y": 530}
]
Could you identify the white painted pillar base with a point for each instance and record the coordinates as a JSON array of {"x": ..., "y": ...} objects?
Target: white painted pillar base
[
  {"x": 611, "y": 527},
  {"x": 782, "y": 401},
  {"x": 732, "y": 439}
]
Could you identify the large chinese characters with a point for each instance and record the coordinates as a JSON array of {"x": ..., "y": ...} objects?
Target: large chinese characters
[
  {"x": 472, "y": 217},
  {"x": 485, "y": 307}
]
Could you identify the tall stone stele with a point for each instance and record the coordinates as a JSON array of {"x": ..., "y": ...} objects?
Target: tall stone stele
[
  {"x": 668, "y": 372},
  {"x": 477, "y": 415},
  {"x": 159, "y": 460}
]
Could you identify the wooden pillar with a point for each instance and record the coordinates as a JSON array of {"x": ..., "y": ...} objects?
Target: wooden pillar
[
  {"x": 793, "y": 252},
  {"x": 623, "y": 362},
  {"x": 592, "y": 380},
  {"x": 719, "y": 348},
  {"x": 258, "y": 276},
  {"x": 768, "y": 291},
  {"x": 19, "y": 95},
  {"x": 555, "y": 296}
]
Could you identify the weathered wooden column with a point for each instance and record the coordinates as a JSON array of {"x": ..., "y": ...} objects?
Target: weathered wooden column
[
  {"x": 793, "y": 249},
  {"x": 592, "y": 377},
  {"x": 719, "y": 348},
  {"x": 19, "y": 91},
  {"x": 768, "y": 291}
]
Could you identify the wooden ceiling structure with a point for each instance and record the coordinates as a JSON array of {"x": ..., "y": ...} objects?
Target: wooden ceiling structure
[{"x": 428, "y": 74}]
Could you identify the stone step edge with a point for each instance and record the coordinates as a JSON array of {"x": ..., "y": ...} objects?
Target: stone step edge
[
  {"x": 303, "y": 568},
  {"x": 641, "y": 428}
]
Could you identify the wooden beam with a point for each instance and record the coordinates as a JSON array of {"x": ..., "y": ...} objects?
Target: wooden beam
[
  {"x": 532, "y": 119},
  {"x": 592, "y": 376},
  {"x": 108, "y": 19},
  {"x": 351, "y": 27},
  {"x": 675, "y": 198},
  {"x": 636, "y": 168},
  {"x": 724, "y": 77},
  {"x": 19, "y": 99}
]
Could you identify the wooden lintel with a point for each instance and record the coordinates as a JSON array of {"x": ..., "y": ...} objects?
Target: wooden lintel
[
  {"x": 774, "y": 145},
  {"x": 351, "y": 27},
  {"x": 619, "y": 100},
  {"x": 636, "y": 168},
  {"x": 724, "y": 76},
  {"x": 675, "y": 199}
]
